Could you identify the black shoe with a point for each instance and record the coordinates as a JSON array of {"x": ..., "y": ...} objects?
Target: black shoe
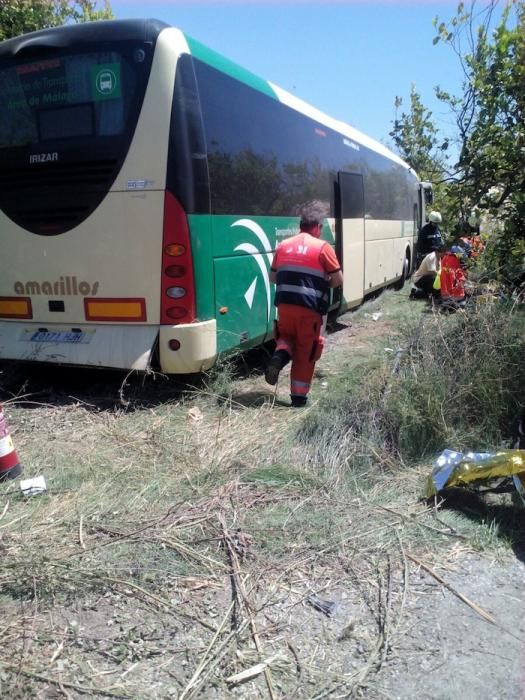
[
  {"x": 298, "y": 401},
  {"x": 279, "y": 359}
]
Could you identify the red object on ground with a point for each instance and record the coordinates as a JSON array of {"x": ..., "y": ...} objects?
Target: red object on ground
[
  {"x": 10, "y": 467},
  {"x": 452, "y": 278}
]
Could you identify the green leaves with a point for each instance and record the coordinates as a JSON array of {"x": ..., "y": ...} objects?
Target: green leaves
[
  {"x": 23, "y": 16},
  {"x": 489, "y": 117},
  {"x": 416, "y": 138}
]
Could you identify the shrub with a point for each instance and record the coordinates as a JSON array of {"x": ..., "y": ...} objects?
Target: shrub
[{"x": 459, "y": 384}]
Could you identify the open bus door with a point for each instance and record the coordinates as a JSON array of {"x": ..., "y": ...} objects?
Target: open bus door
[
  {"x": 426, "y": 197},
  {"x": 350, "y": 238}
]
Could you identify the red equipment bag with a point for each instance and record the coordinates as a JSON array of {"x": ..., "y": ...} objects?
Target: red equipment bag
[{"x": 452, "y": 278}]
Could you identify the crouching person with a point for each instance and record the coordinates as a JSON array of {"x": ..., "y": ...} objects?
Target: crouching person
[{"x": 424, "y": 278}]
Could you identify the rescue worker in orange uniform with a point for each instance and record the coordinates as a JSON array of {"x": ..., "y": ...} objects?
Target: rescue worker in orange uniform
[{"x": 304, "y": 268}]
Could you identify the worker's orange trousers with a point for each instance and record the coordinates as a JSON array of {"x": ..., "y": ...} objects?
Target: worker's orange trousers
[{"x": 298, "y": 332}]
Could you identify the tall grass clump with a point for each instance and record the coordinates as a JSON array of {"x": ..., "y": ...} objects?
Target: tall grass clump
[
  {"x": 458, "y": 383},
  {"x": 347, "y": 429}
]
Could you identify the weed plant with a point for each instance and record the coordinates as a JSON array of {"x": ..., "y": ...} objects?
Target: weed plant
[{"x": 458, "y": 384}]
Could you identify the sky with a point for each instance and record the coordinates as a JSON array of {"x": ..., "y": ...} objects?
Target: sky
[{"x": 348, "y": 58}]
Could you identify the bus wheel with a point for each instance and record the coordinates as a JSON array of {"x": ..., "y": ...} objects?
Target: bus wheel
[{"x": 404, "y": 275}]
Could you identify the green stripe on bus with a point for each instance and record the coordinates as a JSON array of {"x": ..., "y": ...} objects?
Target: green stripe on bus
[
  {"x": 232, "y": 256},
  {"x": 223, "y": 64}
]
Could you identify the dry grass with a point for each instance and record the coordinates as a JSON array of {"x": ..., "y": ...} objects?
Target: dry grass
[{"x": 181, "y": 539}]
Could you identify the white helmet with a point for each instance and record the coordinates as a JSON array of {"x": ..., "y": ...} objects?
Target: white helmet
[
  {"x": 473, "y": 220},
  {"x": 434, "y": 217}
]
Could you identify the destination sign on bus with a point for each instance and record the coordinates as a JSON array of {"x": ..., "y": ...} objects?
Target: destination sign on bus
[
  {"x": 38, "y": 95},
  {"x": 38, "y": 66}
]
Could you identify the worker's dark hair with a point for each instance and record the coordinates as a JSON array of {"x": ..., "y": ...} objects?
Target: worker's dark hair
[
  {"x": 440, "y": 248},
  {"x": 312, "y": 214}
]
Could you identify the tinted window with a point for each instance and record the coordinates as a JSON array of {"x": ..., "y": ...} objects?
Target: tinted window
[
  {"x": 267, "y": 159},
  {"x": 66, "y": 122},
  {"x": 67, "y": 119},
  {"x": 41, "y": 98},
  {"x": 351, "y": 188},
  {"x": 263, "y": 157},
  {"x": 187, "y": 172}
]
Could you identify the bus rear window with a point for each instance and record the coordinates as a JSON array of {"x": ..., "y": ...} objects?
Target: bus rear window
[
  {"x": 66, "y": 122},
  {"x": 69, "y": 96}
]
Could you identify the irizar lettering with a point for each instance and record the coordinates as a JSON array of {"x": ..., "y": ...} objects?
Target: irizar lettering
[
  {"x": 43, "y": 157},
  {"x": 64, "y": 286}
]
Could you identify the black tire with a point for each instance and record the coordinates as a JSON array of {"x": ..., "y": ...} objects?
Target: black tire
[{"x": 404, "y": 275}]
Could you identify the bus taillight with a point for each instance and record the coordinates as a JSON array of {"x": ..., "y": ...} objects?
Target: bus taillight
[
  {"x": 174, "y": 250},
  {"x": 176, "y": 264},
  {"x": 176, "y": 292},
  {"x": 15, "y": 307},
  {"x": 177, "y": 313},
  {"x": 175, "y": 271}
]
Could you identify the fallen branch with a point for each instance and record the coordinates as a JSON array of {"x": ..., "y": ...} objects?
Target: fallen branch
[
  {"x": 253, "y": 671},
  {"x": 474, "y": 606},
  {"x": 160, "y": 601},
  {"x": 239, "y": 587},
  {"x": 91, "y": 691}
]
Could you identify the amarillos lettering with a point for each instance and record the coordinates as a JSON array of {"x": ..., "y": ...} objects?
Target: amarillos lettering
[{"x": 64, "y": 286}]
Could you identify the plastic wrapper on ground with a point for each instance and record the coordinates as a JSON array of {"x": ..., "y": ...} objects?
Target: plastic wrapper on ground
[{"x": 460, "y": 469}]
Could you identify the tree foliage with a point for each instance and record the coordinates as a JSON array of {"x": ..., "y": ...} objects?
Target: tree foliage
[
  {"x": 416, "y": 138},
  {"x": 23, "y": 16},
  {"x": 490, "y": 119},
  {"x": 489, "y": 175}
]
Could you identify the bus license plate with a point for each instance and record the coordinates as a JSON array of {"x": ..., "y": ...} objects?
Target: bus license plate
[{"x": 57, "y": 337}]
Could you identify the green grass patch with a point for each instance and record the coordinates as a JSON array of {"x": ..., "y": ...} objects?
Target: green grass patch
[{"x": 279, "y": 476}]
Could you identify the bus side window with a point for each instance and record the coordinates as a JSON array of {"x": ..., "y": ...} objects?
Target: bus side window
[{"x": 187, "y": 173}]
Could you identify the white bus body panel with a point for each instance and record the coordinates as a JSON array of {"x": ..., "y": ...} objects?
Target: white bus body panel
[
  {"x": 146, "y": 162},
  {"x": 198, "y": 347},
  {"x": 386, "y": 243},
  {"x": 112, "y": 345},
  {"x": 116, "y": 251},
  {"x": 353, "y": 262}
]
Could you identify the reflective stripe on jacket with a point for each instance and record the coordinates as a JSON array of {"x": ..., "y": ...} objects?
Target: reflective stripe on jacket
[{"x": 301, "y": 277}]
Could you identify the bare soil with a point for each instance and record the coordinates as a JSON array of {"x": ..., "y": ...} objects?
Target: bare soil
[{"x": 341, "y": 613}]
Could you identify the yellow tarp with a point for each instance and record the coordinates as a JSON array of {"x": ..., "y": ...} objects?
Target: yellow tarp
[{"x": 458, "y": 469}]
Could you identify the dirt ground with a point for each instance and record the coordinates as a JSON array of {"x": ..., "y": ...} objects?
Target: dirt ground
[
  {"x": 438, "y": 647},
  {"x": 369, "y": 623}
]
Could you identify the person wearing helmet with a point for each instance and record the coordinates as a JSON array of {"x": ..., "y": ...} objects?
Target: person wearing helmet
[{"x": 430, "y": 237}]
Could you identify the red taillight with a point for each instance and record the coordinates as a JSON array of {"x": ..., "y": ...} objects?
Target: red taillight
[
  {"x": 176, "y": 264},
  {"x": 176, "y": 313},
  {"x": 175, "y": 271}
]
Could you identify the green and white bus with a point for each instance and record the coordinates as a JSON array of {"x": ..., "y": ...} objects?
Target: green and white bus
[{"x": 145, "y": 181}]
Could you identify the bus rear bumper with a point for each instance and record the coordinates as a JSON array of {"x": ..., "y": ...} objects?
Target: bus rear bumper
[
  {"x": 113, "y": 346},
  {"x": 197, "y": 349}
]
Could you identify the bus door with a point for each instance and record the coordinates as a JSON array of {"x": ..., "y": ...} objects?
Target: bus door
[{"x": 350, "y": 236}]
